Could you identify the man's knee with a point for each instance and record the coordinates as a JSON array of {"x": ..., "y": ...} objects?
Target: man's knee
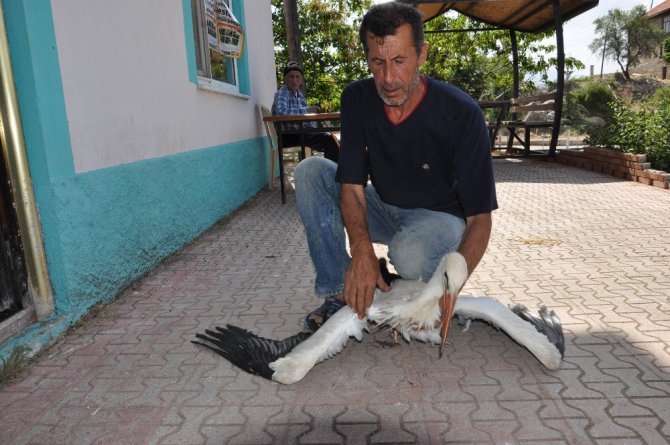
[
  {"x": 409, "y": 256},
  {"x": 313, "y": 169},
  {"x": 416, "y": 253},
  {"x": 315, "y": 183}
]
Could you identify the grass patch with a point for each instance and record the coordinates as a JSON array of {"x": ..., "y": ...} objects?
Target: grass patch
[{"x": 17, "y": 360}]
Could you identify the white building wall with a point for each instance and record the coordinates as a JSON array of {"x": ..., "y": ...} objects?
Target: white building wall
[{"x": 125, "y": 81}]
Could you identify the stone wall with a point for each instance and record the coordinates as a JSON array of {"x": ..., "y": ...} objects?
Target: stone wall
[{"x": 621, "y": 165}]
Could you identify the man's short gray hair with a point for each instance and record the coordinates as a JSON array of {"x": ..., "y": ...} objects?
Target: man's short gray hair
[{"x": 384, "y": 19}]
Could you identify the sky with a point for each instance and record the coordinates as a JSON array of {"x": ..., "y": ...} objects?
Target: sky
[{"x": 580, "y": 31}]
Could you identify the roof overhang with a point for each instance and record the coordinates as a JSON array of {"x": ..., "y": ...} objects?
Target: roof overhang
[{"x": 519, "y": 15}]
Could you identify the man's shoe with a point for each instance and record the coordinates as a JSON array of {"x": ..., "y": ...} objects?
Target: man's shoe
[{"x": 320, "y": 315}]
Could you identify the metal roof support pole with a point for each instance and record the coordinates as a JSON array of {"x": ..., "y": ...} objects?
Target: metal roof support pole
[{"x": 560, "y": 77}]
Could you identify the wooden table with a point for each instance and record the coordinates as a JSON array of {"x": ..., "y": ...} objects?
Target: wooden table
[{"x": 326, "y": 123}]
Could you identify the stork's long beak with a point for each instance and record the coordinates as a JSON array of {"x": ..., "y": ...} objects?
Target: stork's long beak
[
  {"x": 448, "y": 303},
  {"x": 448, "y": 306}
]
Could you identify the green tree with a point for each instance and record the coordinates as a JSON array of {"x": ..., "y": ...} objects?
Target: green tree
[
  {"x": 626, "y": 37},
  {"x": 332, "y": 55},
  {"x": 480, "y": 62}
]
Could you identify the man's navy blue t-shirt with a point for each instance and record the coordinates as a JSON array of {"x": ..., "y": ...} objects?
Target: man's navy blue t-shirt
[{"x": 438, "y": 158}]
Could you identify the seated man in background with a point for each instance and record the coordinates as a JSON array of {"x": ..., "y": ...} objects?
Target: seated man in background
[{"x": 289, "y": 100}]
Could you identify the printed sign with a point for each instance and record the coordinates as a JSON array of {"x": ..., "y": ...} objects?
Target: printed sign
[{"x": 224, "y": 33}]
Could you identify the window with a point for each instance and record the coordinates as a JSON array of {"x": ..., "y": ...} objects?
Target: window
[
  {"x": 219, "y": 39},
  {"x": 666, "y": 23}
]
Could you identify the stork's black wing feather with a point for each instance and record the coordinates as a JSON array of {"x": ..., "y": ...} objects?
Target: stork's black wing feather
[
  {"x": 388, "y": 276},
  {"x": 546, "y": 323},
  {"x": 247, "y": 350}
]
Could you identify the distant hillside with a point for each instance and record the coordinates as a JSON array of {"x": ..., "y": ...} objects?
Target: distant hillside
[{"x": 638, "y": 121}]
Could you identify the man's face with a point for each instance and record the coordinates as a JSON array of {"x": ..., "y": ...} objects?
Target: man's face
[
  {"x": 293, "y": 80},
  {"x": 395, "y": 64}
]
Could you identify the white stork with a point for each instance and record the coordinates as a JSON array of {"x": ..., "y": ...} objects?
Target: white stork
[{"x": 410, "y": 308}]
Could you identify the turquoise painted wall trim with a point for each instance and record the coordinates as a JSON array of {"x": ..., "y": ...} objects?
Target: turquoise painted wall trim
[
  {"x": 190, "y": 42},
  {"x": 32, "y": 43},
  {"x": 37, "y": 336},
  {"x": 119, "y": 223},
  {"x": 242, "y": 62}
]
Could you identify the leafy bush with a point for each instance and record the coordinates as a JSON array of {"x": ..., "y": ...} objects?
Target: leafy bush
[
  {"x": 595, "y": 97},
  {"x": 658, "y": 151},
  {"x": 666, "y": 50},
  {"x": 661, "y": 97},
  {"x": 645, "y": 130}
]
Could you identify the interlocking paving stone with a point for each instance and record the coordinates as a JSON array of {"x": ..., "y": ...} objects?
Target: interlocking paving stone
[{"x": 576, "y": 241}]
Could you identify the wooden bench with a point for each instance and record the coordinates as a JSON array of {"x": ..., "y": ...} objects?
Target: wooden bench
[{"x": 522, "y": 106}]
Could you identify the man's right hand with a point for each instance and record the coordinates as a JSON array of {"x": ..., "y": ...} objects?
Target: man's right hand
[
  {"x": 363, "y": 274},
  {"x": 361, "y": 280}
]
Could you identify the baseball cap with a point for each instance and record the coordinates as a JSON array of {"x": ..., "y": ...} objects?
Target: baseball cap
[{"x": 293, "y": 66}]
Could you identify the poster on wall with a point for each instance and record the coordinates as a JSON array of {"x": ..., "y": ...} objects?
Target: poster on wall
[
  {"x": 224, "y": 33},
  {"x": 210, "y": 19}
]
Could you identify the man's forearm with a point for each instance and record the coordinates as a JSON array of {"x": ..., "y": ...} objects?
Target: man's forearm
[
  {"x": 476, "y": 239},
  {"x": 363, "y": 274},
  {"x": 354, "y": 215}
]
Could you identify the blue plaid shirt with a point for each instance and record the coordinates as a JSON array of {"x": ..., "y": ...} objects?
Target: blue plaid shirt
[{"x": 287, "y": 103}]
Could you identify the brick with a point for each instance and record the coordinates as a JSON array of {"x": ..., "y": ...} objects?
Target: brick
[{"x": 609, "y": 162}]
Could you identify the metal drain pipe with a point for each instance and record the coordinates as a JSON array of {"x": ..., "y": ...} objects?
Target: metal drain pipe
[{"x": 14, "y": 153}]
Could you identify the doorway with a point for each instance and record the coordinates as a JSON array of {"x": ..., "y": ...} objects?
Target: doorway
[{"x": 13, "y": 276}]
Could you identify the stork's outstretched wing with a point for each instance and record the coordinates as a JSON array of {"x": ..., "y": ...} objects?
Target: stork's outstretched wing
[
  {"x": 543, "y": 336},
  {"x": 246, "y": 350}
]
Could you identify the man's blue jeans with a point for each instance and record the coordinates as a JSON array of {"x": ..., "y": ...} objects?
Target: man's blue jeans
[{"x": 416, "y": 238}]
